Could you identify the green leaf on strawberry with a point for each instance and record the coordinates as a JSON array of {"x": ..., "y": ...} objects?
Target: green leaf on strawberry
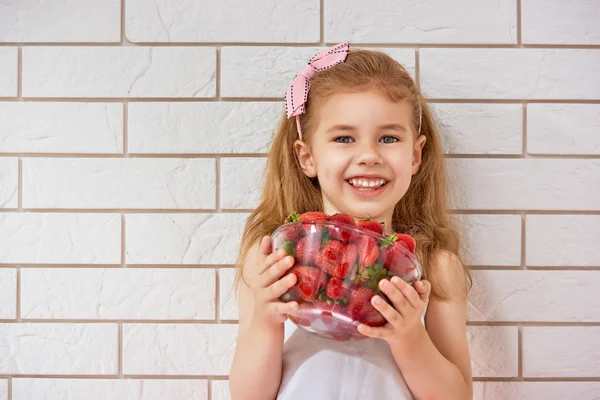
[{"x": 289, "y": 247}]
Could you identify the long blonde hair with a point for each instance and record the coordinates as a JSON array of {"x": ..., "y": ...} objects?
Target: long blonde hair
[{"x": 422, "y": 211}]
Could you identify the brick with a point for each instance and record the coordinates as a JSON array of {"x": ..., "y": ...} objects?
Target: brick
[
  {"x": 8, "y": 66},
  {"x": 577, "y": 235},
  {"x": 536, "y": 390},
  {"x": 67, "y": 349},
  {"x": 178, "y": 349},
  {"x": 550, "y": 73},
  {"x": 241, "y": 182},
  {"x": 184, "y": 238},
  {"x": 60, "y": 238},
  {"x": 563, "y": 129},
  {"x": 226, "y": 21},
  {"x": 66, "y": 21},
  {"x": 524, "y": 184},
  {"x": 4, "y": 389},
  {"x": 480, "y": 128},
  {"x": 9, "y": 176},
  {"x": 243, "y": 68},
  {"x": 412, "y": 21},
  {"x": 54, "y": 127},
  {"x": 117, "y": 293},
  {"x": 119, "y": 183},
  {"x": 125, "y": 71},
  {"x": 534, "y": 296},
  {"x": 228, "y": 295},
  {"x": 261, "y": 71},
  {"x": 557, "y": 22},
  {"x": 491, "y": 240},
  {"x": 101, "y": 389},
  {"x": 220, "y": 390},
  {"x": 561, "y": 351},
  {"x": 496, "y": 361},
  {"x": 8, "y": 294},
  {"x": 229, "y": 127}
]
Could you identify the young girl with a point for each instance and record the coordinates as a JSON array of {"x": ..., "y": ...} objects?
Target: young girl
[{"x": 357, "y": 138}]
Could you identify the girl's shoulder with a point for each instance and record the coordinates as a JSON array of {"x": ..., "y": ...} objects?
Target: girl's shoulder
[{"x": 448, "y": 274}]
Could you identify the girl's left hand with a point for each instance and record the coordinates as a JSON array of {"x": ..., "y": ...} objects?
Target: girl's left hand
[{"x": 404, "y": 318}]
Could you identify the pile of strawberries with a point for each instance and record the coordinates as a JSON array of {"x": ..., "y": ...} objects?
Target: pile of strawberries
[{"x": 338, "y": 265}]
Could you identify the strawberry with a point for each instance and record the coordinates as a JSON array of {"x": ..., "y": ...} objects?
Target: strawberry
[
  {"x": 338, "y": 232},
  {"x": 404, "y": 240},
  {"x": 368, "y": 251},
  {"x": 310, "y": 281},
  {"x": 370, "y": 277},
  {"x": 374, "y": 318},
  {"x": 310, "y": 221},
  {"x": 293, "y": 232},
  {"x": 336, "y": 288},
  {"x": 370, "y": 225},
  {"x": 396, "y": 259},
  {"x": 359, "y": 304},
  {"x": 306, "y": 250},
  {"x": 337, "y": 258}
]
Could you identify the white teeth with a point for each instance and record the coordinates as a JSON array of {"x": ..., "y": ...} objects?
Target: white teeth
[{"x": 367, "y": 183}]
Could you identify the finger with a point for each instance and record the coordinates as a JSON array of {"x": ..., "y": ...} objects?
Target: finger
[
  {"x": 264, "y": 249},
  {"x": 281, "y": 286},
  {"x": 400, "y": 302},
  {"x": 389, "y": 313},
  {"x": 378, "y": 332},
  {"x": 408, "y": 291},
  {"x": 423, "y": 287},
  {"x": 276, "y": 271},
  {"x": 283, "y": 309}
]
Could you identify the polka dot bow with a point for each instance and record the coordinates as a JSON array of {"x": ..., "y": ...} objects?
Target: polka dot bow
[{"x": 297, "y": 93}]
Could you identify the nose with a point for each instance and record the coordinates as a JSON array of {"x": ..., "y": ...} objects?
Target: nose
[{"x": 368, "y": 154}]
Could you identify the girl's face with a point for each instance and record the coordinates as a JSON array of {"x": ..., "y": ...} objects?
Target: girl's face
[{"x": 364, "y": 153}]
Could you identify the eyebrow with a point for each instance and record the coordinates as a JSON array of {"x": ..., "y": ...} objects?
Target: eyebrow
[{"x": 343, "y": 127}]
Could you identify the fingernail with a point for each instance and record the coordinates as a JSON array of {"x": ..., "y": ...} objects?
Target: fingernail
[
  {"x": 395, "y": 280},
  {"x": 377, "y": 299}
]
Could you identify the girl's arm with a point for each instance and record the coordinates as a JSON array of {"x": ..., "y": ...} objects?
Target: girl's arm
[
  {"x": 436, "y": 365},
  {"x": 256, "y": 369}
]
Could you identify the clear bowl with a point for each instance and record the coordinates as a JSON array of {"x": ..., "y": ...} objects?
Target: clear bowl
[{"x": 339, "y": 267}]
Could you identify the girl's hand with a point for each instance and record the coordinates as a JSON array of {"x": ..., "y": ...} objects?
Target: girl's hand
[
  {"x": 404, "y": 318},
  {"x": 269, "y": 286}
]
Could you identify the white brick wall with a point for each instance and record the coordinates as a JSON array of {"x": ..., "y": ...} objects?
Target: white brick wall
[{"x": 132, "y": 143}]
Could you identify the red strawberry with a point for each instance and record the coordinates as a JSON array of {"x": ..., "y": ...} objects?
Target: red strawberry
[
  {"x": 395, "y": 258},
  {"x": 310, "y": 221},
  {"x": 310, "y": 281},
  {"x": 336, "y": 288},
  {"x": 307, "y": 250},
  {"x": 293, "y": 232},
  {"x": 368, "y": 251},
  {"x": 338, "y": 232},
  {"x": 337, "y": 258},
  {"x": 371, "y": 225},
  {"x": 405, "y": 240},
  {"x": 359, "y": 304},
  {"x": 374, "y": 318}
]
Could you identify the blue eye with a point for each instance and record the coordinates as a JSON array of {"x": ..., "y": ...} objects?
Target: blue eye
[
  {"x": 343, "y": 139},
  {"x": 393, "y": 139}
]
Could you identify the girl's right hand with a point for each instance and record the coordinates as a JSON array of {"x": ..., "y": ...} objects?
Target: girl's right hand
[{"x": 269, "y": 285}]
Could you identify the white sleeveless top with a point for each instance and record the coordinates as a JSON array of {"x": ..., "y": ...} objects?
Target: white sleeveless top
[{"x": 323, "y": 369}]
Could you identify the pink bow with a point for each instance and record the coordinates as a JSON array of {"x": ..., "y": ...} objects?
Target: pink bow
[{"x": 296, "y": 95}]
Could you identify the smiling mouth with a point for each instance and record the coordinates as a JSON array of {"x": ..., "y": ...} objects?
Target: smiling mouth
[{"x": 362, "y": 183}]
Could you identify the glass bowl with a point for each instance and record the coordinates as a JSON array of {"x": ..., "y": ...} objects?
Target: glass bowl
[{"x": 338, "y": 268}]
